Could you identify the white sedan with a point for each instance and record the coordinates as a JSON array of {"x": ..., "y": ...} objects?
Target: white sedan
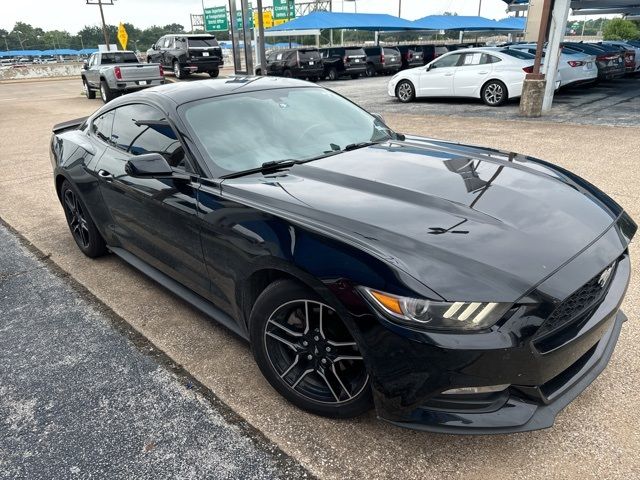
[{"x": 493, "y": 74}]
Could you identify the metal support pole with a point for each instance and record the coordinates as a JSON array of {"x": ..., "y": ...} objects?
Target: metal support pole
[
  {"x": 246, "y": 36},
  {"x": 559, "y": 17},
  {"x": 260, "y": 42},
  {"x": 235, "y": 39},
  {"x": 104, "y": 25},
  {"x": 542, "y": 36}
]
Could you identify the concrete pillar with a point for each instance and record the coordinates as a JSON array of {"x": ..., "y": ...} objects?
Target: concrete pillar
[
  {"x": 559, "y": 16},
  {"x": 532, "y": 97}
]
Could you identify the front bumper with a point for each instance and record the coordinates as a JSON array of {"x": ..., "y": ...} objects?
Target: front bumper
[{"x": 545, "y": 362}]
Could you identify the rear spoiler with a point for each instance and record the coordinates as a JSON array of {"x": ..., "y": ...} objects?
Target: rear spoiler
[{"x": 68, "y": 125}]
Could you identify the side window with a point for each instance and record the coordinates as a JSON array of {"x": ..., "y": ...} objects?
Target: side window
[
  {"x": 159, "y": 43},
  {"x": 470, "y": 59},
  {"x": 92, "y": 60},
  {"x": 132, "y": 135},
  {"x": 447, "y": 61},
  {"x": 168, "y": 42},
  {"x": 486, "y": 58},
  {"x": 101, "y": 126},
  {"x": 279, "y": 56}
]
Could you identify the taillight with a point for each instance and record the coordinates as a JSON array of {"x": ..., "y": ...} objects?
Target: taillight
[
  {"x": 382, "y": 58},
  {"x": 161, "y": 70},
  {"x": 575, "y": 63},
  {"x": 345, "y": 59},
  {"x": 410, "y": 55},
  {"x": 528, "y": 69},
  {"x": 118, "y": 73}
]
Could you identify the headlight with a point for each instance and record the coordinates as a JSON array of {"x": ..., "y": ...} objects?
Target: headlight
[{"x": 420, "y": 313}]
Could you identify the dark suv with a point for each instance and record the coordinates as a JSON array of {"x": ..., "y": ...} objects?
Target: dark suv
[
  {"x": 184, "y": 54},
  {"x": 412, "y": 56},
  {"x": 342, "y": 61},
  {"x": 382, "y": 60},
  {"x": 298, "y": 63}
]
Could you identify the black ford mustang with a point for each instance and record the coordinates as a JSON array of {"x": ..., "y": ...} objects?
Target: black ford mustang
[{"x": 458, "y": 288}]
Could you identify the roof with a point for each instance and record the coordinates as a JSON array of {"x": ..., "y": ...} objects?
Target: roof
[
  {"x": 351, "y": 21},
  {"x": 465, "y": 23},
  {"x": 184, "y": 92},
  {"x": 585, "y": 7}
]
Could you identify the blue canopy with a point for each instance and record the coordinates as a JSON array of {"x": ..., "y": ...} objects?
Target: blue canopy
[
  {"x": 44, "y": 53},
  {"x": 460, "y": 22},
  {"x": 516, "y": 23},
  {"x": 350, "y": 21}
]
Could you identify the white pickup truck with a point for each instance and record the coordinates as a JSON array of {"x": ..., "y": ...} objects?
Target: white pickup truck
[{"x": 114, "y": 73}]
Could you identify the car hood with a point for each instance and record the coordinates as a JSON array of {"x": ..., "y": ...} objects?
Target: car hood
[{"x": 469, "y": 223}]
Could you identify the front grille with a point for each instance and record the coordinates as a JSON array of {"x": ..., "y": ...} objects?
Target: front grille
[{"x": 579, "y": 303}]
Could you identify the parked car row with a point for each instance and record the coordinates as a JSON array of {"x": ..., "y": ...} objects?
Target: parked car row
[{"x": 496, "y": 74}]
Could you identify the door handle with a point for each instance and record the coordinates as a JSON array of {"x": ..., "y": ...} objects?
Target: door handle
[
  {"x": 482, "y": 73},
  {"x": 448, "y": 74},
  {"x": 105, "y": 175}
]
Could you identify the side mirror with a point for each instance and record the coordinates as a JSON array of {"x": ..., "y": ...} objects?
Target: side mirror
[
  {"x": 85, "y": 65},
  {"x": 429, "y": 67},
  {"x": 148, "y": 165}
]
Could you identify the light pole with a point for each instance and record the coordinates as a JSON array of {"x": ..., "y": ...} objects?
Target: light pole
[
  {"x": 479, "y": 7},
  {"x": 18, "y": 32},
  {"x": 81, "y": 41},
  {"x": 399, "y": 8},
  {"x": 5, "y": 42}
]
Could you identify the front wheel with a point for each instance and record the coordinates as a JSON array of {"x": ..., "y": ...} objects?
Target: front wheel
[
  {"x": 494, "y": 93},
  {"x": 82, "y": 228},
  {"x": 177, "y": 71},
  {"x": 306, "y": 352},
  {"x": 91, "y": 94},
  {"x": 405, "y": 91}
]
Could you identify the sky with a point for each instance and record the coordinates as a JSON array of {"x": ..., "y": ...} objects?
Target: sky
[{"x": 73, "y": 15}]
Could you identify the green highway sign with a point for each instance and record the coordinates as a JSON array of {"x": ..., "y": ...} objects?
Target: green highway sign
[
  {"x": 216, "y": 19},
  {"x": 284, "y": 9},
  {"x": 239, "y": 18}
]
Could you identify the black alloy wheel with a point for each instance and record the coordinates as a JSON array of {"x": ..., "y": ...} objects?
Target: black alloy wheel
[
  {"x": 80, "y": 223},
  {"x": 306, "y": 352},
  {"x": 214, "y": 73},
  {"x": 333, "y": 74}
]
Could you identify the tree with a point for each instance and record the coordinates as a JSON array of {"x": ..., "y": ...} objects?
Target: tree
[{"x": 620, "y": 29}]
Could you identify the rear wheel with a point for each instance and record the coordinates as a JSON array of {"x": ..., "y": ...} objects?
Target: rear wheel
[
  {"x": 82, "y": 228},
  {"x": 405, "y": 91},
  {"x": 306, "y": 352},
  {"x": 91, "y": 94},
  {"x": 105, "y": 92},
  {"x": 332, "y": 74},
  {"x": 494, "y": 93},
  {"x": 287, "y": 73},
  {"x": 371, "y": 70},
  {"x": 214, "y": 73}
]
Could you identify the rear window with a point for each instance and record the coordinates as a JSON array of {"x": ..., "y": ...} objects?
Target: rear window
[
  {"x": 518, "y": 54},
  {"x": 391, "y": 51},
  {"x": 373, "y": 50},
  {"x": 309, "y": 54},
  {"x": 119, "y": 57},
  {"x": 202, "y": 42},
  {"x": 354, "y": 52}
]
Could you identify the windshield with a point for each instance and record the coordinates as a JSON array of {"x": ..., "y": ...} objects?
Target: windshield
[
  {"x": 243, "y": 131},
  {"x": 518, "y": 54}
]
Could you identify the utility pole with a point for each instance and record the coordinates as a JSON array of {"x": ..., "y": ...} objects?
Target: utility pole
[
  {"x": 100, "y": 3},
  {"x": 479, "y": 7},
  {"x": 18, "y": 32},
  {"x": 6, "y": 44},
  {"x": 81, "y": 41},
  {"x": 400, "y": 8}
]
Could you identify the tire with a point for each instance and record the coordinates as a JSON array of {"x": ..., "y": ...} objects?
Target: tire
[
  {"x": 91, "y": 94},
  {"x": 80, "y": 224},
  {"x": 258, "y": 72},
  {"x": 177, "y": 71},
  {"x": 214, "y": 73},
  {"x": 494, "y": 93},
  {"x": 371, "y": 70},
  {"x": 332, "y": 74},
  {"x": 355, "y": 76},
  {"x": 405, "y": 91},
  {"x": 287, "y": 74},
  {"x": 300, "y": 358},
  {"x": 105, "y": 92}
]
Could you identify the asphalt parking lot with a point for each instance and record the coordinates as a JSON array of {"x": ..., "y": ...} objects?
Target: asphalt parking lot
[{"x": 597, "y": 436}]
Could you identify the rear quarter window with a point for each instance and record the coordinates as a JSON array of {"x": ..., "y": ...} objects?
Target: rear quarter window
[
  {"x": 202, "y": 42},
  {"x": 354, "y": 52}
]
